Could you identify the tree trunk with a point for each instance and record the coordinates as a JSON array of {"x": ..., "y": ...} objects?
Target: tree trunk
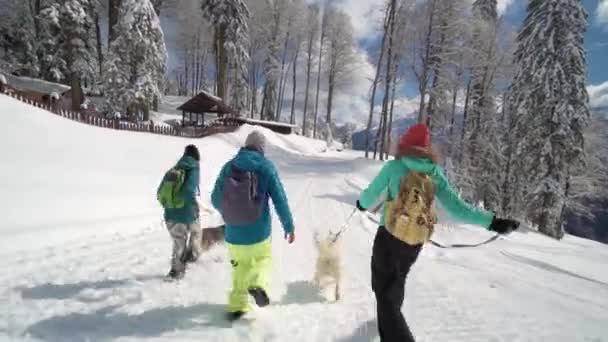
[
  {"x": 282, "y": 78},
  {"x": 186, "y": 72},
  {"x": 389, "y": 77},
  {"x": 76, "y": 92},
  {"x": 378, "y": 134},
  {"x": 390, "y": 120},
  {"x": 197, "y": 64},
  {"x": 464, "y": 121},
  {"x": 375, "y": 85},
  {"x": 292, "y": 119},
  {"x": 422, "y": 115},
  {"x": 330, "y": 96},
  {"x": 314, "y": 131},
  {"x": 254, "y": 88},
  {"x": 263, "y": 103},
  {"x": 222, "y": 62},
  {"x": 36, "y": 14},
  {"x": 99, "y": 45},
  {"x": 308, "y": 70},
  {"x": 114, "y": 11}
]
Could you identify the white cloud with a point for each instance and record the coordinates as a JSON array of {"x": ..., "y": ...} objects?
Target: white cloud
[
  {"x": 602, "y": 13},
  {"x": 366, "y": 16},
  {"x": 598, "y": 95},
  {"x": 503, "y": 6}
]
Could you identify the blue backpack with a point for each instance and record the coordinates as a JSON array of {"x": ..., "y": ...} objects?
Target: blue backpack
[{"x": 241, "y": 201}]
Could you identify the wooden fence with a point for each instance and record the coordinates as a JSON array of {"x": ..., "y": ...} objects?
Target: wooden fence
[{"x": 220, "y": 126}]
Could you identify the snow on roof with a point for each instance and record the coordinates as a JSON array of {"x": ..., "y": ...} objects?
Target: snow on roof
[
  {"x": 264, "y": 122},
  {"x": 212, "y": 96},
  {"x": 34, "y": 84}
]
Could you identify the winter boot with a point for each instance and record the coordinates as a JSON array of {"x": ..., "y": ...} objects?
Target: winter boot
[
  {"x": 189, "y": 256},
  {"x": 260, "y": 296},
  {"x": 175, "y": 274},
  {"x": 233, "y": 316}
]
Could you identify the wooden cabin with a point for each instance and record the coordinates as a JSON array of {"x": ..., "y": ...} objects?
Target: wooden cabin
[
  {"x": 210, "y": 113},
  {"x": 202, "y": 109},
  {"x": 40, "y": 91}
]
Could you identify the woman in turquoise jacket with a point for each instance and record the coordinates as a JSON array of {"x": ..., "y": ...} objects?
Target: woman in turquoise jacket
[
  {"x": 249, "y": 244},
  {"x": 392, "y": 258}
]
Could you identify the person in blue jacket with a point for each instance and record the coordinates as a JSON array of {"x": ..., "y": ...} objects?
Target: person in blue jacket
[
  {"x": 249, "y": 244},
  {"x": 184, "y": 220}
]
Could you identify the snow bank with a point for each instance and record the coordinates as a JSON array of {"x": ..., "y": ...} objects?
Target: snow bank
[{"x": 58, "y": 174}]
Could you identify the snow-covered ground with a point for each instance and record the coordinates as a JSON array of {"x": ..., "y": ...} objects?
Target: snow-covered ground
[{"x": 83, "y": 251}]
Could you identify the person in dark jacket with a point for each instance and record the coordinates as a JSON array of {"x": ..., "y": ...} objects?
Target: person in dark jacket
[
  {"x": 183, "y": 221},
  {"x": 249, "y": 244},
  {"x": 392, "y": 258}
]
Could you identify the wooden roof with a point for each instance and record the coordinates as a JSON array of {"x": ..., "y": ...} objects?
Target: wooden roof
[
  {"x": 206, "y": 103},
  {"x": 34, "y": 85}
]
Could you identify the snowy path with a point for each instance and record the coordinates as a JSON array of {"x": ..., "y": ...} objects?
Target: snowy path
[{"x": 104, "y": 283}]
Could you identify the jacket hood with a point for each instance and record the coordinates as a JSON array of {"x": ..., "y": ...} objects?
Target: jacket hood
[
  {"x": 188, "y": 163},
  {"x": 419, "y": 159},
  {"x": 249, "y": 160}
]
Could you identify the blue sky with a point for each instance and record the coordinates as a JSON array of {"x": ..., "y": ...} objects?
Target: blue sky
[{"x": 366, "y": 18}]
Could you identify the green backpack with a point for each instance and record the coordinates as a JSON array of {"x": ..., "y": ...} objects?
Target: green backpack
[{"x": 169, "y": 193}]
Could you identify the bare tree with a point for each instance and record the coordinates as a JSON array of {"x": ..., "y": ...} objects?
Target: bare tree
[
  {"x": 312, "y": 29},
  {"x": 340, "y": 53},
  {"x": 324, "y": 22},
  {"x": 376, "y": 80}
]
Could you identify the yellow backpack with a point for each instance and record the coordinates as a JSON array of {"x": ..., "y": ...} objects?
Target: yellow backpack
[{"x": 411, "y": 217}]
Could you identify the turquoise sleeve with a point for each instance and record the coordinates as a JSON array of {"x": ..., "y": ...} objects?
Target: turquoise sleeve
[
  {"x": 376, "y": 187},
  {"x": 457, "y": 207},
  {"x": 191, "y": 186}
]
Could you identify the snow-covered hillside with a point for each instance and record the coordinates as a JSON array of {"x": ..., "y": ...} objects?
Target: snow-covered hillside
[{"x": 83, "y": 251}]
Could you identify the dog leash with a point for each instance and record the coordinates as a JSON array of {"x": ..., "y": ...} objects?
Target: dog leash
[
  {"x": 345, "y": 226},
  {"x": 456, "y": 245}
]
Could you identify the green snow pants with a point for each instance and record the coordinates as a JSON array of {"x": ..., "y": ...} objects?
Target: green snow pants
[{"x": 250, "y": 269}]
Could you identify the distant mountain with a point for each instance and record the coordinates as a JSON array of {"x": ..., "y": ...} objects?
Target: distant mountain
[{"x": 399, "y": 127}]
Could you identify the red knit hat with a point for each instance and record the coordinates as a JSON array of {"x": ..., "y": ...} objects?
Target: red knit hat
[{"x": 418, "y": 135}]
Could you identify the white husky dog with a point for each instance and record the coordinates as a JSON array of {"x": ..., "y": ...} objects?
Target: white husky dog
[{"x": 328, "y": 261}]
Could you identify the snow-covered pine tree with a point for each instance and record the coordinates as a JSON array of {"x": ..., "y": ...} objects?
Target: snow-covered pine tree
[
  {"x": 480, "y": 153},
  {"x": 18, "y": 42},
  {"x": 230, "y": 19},
  {"x": 135, "y": 66},
  {"x": 272, "y": 63},
  {"x": 550, "y": 110},
  {"x": 447, "y": 30},
  {"x": 67, "y": 39}
]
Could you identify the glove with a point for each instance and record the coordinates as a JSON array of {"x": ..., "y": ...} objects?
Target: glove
[
  {"x": 360, "y": 207},
  {"x": 290, "y": 237},
  {"x": 503, "y": 226}
]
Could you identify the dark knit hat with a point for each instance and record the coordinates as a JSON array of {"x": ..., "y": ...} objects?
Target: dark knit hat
[
  {"x": 418, "y": 135},
  {"x": 192, "y": 151}
]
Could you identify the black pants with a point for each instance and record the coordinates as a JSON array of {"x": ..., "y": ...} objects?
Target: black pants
[{"x": 391, "y": 262}]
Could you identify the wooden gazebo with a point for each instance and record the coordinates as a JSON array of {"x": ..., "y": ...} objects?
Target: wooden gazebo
[{"x": 195, "y": 109}]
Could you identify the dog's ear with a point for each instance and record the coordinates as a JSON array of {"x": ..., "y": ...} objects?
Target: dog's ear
[{"x": 316, "y": 238}]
